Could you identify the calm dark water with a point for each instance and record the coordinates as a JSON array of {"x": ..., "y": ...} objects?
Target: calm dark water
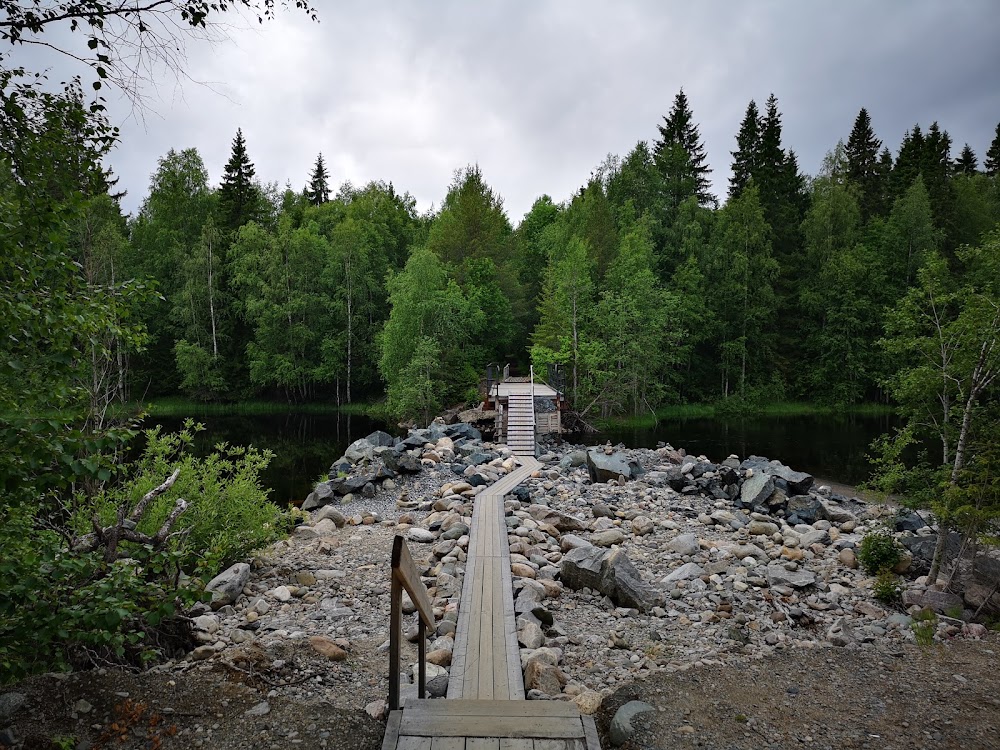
[
  {"x": 830, "y": 446},
  {"x": 304, "y": 444}
]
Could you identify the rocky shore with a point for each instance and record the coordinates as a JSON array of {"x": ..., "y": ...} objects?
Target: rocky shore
[{"x": 626, "y": 564}]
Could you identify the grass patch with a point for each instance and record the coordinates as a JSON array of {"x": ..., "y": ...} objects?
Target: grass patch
[{"x": 176, "y": 406}]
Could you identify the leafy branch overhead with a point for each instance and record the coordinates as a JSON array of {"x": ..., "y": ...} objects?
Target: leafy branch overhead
[{"x": 123, "y": 36}]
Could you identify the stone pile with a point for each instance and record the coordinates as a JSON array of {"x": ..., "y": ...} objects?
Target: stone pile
[{"x": 678, "y": 562}]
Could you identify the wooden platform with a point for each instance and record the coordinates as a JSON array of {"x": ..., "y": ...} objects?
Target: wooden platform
[
  {"x": 490, "y": 725},
  {"x": 485, "y": 708}
]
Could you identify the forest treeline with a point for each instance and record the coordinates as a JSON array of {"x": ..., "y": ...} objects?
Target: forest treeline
[{"x": 642, "y": 286}]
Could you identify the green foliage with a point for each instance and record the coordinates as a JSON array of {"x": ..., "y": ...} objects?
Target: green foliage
[
  {"x": 878, "y": 552},
  {"x": 229, "y": 514},
  {"x": 887, "y": 588},
  {"x": 924, "y": 626},
  {"x": 60, "y": 608},
  {"x": 430, "y": 322}
]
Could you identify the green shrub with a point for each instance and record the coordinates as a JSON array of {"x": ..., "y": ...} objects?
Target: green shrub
[
  {"x": 886, "y": 589},
  {"x": 62, "y": 605},
  {"x": 229, "y": 515},
  {"x": 924, "y": 626},
  {"x": 60, "y": 608},
  {"x": 878, "y": 552}
]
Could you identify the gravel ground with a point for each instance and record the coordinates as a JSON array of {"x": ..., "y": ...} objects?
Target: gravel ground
[
  {"x": 723, "y": 666},
  {"x": 945, "y": 696}
]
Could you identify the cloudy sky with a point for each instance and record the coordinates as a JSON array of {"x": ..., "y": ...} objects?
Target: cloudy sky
[{"x": 538, "y": 93}]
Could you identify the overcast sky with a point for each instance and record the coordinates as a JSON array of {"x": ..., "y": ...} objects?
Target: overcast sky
[{"x": 538, "y": 93}]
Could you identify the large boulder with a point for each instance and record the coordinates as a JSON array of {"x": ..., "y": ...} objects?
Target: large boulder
[
  {"x": 359, "y": 450},
  {"x": 756, "y": 490},
  {"x": 621, "y": 725},
  {"x": 778, "y": 575},
  {"x": 381, "y": 439},
  {"x": 348, "y": 485},
  {"x": 228, "y": 585},
  {"x": 402, "y": 463},
  {"x": 562, "y": 521},
  {"x": 797, "y": 482},
  {"x": 611, "y": 573},
  {"x": 605, "y": 468},
  {"x": 939, "y": 601},
  {"x": 415, "y": 439},
  {"x": 463, "y": 430},
  {"x": 803, "y": 509}
]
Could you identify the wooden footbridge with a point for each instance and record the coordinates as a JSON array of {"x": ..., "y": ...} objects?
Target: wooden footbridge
[{"x": 485, "y": 708}]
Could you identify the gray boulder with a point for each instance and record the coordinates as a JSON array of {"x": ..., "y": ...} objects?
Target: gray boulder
[
  {"x": 605, "y": 468},
  {"x": 939, "y": 601},
  {"x": 415, "y": 439},
  {"x": 684, "y": 544},
  {"x": 228, "y": 585},
  {"x": 575, "y": 458},
  {"x": 910, "y": 521},
  {"x": 10, "y": 704},
  {"x": 359, "y": 450},
  {"x": 463, "y": 430},
  {"x": 562, "y": 521},
  {"x": 756, "y": 490},
  {"x": 805, "y": 508},
  {"x": 611, "y": 573},
  {"x": 380, "y": 438},
  {"x": 799, "y": 483},
  {"x": 778, "y": 576},
  {"x": 402, "y": 463},
  {"x": 621, "y": 724}
]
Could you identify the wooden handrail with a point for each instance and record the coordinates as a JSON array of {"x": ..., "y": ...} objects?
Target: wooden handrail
[{"x": 405, "y": 575}]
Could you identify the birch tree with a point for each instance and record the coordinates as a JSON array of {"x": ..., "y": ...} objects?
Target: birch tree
[{"x": 946, "y": 334}]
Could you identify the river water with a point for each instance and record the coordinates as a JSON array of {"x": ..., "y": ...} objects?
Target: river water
[{"x": 830, "y": 446}]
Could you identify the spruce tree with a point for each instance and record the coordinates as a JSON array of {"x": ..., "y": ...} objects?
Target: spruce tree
[
  {"x": 908, "y": 161},
  {"x": 318, "y": 190},
  {"x": 992, "y": 163},
  {"x": 679, "y": 155},
  {"x": 771, "y": 157},
  {"x": 863, "y": 165},
  {"x": 966, "y": 163},
  {"x": 239, "y": 196},
  {"x": 747, "y": 153}
]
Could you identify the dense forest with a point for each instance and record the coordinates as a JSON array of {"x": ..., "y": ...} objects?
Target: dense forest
[
  {"x": 876, "y": 280},
  {"x": 641, "y": 286}
]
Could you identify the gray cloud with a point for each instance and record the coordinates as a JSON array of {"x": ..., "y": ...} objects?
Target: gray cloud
[{"x": 539, "y": 93}]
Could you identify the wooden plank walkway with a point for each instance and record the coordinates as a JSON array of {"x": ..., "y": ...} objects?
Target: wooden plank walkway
[
  {"x": 486, "y": 709},
  {"x": 486, "y": 662}
]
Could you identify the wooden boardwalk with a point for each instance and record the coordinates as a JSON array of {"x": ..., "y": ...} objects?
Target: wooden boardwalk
[{"x": 485, "y": 709}]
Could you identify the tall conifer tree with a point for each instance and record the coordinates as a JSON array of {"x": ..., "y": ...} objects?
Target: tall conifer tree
[
  {"x": 992, "y": 163},
  {"x": 908, "y": 161},
  {"x": 318, "y": 190},
  {"x": 680, "y": 158},
  {"x": 863, "y": 165},
  {"x": 239, "y": 196},
  {"x": 966, "y": 163},
  {"x": 747, "y": 153}
]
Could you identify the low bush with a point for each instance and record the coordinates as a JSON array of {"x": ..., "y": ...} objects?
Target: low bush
[
  {"x": 229, "y": 514},
  {"x": 69, "y": 598},
  {"x": 878, "y": 552}
]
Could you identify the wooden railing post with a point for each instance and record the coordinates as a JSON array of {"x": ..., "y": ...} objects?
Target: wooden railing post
[{"x": 404, "y": 576}]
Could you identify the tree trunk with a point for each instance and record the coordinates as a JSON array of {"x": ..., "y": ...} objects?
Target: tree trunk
[{"x": 211, "y": 303}]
